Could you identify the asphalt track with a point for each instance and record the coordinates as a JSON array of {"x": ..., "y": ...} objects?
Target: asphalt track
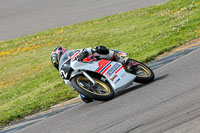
[
  {"x": 169, "y": 104},
  {"x": 24, "y": 17}
]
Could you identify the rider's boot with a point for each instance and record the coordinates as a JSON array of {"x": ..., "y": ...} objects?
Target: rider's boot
[
  {"x": 86, "y": 99},
  {"x": 130, "y": 64}
]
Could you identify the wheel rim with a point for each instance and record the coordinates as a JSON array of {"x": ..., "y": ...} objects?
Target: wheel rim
[
  {"x": 99, "y": 89},
  {"x": 143, "y": 71}
]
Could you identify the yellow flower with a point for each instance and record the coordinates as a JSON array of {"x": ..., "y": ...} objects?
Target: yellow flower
[
  {"x": 197, "y": 31},
  {"x": 182, "y": 9},
  {"x": 151, "y": 14},
  {"x": 197, "y": 3}
]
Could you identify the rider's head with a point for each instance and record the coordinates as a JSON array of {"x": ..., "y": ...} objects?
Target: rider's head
[{"x": 56, "y": 55}]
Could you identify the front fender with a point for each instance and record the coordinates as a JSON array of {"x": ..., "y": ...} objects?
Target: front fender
[{"x": 74, "y": 73}]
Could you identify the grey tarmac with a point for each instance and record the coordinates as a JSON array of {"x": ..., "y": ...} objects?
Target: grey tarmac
[{"x": 25, "y": 17}]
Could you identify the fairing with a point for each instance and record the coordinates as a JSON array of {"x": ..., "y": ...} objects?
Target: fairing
[{"x": 112, "y": 71}]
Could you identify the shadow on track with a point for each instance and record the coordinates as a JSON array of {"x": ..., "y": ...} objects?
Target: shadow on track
[{"x": 138, "y": 86}]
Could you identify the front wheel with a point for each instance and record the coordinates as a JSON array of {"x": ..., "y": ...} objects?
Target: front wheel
[
  {"x": 100, "y": 91},
  {"x": 143, "y": 73}
]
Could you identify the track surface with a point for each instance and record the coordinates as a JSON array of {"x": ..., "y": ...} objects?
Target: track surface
[
  {"x": 169, "y": 104},
  {"x": 23, "y": 17}
]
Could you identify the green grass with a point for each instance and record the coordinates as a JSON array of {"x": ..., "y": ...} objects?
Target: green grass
[{"x": 28, "y": 81}]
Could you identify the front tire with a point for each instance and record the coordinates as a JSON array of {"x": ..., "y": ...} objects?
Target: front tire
[{"x": 101, "y": 91}]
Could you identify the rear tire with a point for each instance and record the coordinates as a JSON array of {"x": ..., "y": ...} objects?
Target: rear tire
[
  {"x": 101, "y": 91},
  {"x": 144, "y": 74}
]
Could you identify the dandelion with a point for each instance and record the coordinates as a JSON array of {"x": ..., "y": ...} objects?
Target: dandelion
[
  {"x": 197, "y": 31},
  {"x": 197, "y": 3},
  {"x": 24, "y": 49},
  {"x": 3, "y": 83},
  {"x": 89, "y": 24},
  {"x": 183, "y": 9}
]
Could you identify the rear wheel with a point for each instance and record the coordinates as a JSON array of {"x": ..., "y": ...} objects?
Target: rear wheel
[
  {"x": 100, "y": 91},
  {"x": 143, "y": 73}
]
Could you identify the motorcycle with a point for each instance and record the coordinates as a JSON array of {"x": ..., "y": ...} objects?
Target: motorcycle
[{"x": 101, "y": 79}]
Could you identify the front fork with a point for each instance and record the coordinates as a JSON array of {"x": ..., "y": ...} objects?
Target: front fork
[{"x": 89, "y": 77}]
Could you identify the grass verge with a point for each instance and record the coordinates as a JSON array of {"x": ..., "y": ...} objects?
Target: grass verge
[{"x": 29, "y": 83}]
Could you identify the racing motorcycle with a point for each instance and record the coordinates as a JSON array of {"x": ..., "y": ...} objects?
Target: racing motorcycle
[{"x": 101, "y": 79}]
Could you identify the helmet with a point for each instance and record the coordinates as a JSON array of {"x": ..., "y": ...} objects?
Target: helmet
[{"x": 56, "y": 55}]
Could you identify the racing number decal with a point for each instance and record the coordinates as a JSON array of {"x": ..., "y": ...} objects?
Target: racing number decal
[{"x": 63, "y": 74}]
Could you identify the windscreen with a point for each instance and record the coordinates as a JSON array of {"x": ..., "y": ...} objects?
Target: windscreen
[
  {"x": 66, "y": 56},
  {"x": 63, "y": 59}
]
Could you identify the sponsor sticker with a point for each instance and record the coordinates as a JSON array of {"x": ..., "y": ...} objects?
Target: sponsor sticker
[
  {"x": 113, "y": 77},
  {"x": 113, "y": 69},
  {"x": 117, "y": 80}
]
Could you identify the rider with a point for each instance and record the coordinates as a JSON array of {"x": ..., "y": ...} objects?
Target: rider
[{"x": 100, "y": 52}]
